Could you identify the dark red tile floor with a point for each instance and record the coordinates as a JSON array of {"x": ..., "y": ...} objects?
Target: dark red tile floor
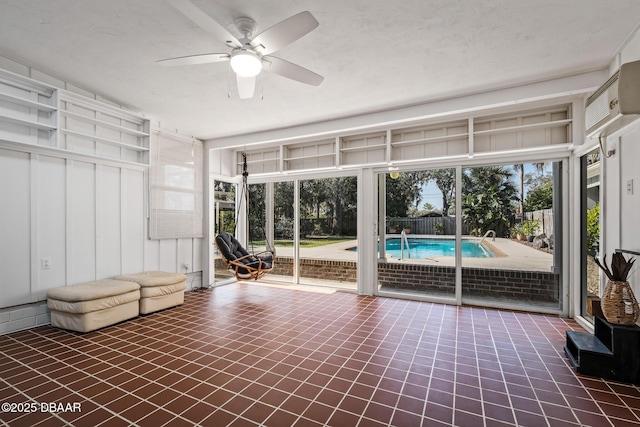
[{"x": 248, "y": 355}]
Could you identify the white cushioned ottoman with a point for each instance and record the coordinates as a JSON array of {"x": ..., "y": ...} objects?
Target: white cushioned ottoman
[
  {"x": 93, "y": 305},
  {"x": 158, "y": 289}
]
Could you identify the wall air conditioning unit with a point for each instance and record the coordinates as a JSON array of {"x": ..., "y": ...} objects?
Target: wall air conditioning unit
[{"x": 616, "y": 103}]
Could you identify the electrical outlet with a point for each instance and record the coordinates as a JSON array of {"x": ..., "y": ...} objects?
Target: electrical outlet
[
  {"x": 45, "y": 263},
  {"x": 630, "y": 187}
]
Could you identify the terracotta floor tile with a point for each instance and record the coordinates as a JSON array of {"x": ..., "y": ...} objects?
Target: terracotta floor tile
[
  {"x": 318, "y": 412},
  {"x": 246, "y": 354},
  {"x": 402, "y": 418},
  {"x": 346, "y": 419},
  {"x": 156, "y": 418},
  {"x": 219, "y": 418}
]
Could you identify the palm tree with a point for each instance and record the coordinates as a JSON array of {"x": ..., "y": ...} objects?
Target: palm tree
[
  {"x": 520, "y": 169},
  {"x": 487, "y": 197}
]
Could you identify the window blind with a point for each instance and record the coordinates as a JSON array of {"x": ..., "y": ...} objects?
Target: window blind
[{"x": 175, "y": 193}]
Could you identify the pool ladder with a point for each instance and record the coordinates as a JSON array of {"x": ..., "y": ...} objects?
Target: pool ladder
[
  {"x": 403, "y": 241},
  {"x": 486, "y": 234}
]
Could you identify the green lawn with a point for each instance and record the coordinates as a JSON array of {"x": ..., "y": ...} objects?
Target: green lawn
[{"x": 309, "y": 242}]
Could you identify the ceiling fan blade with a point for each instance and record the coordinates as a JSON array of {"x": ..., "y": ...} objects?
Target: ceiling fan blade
[
  {"x": 205, "y": 22},
  {"x": 291, "y": 71},
  {"x": 284, "y": 33},
  {"x": 205, "y": 58},
  {"x": 246, "y": 86}
]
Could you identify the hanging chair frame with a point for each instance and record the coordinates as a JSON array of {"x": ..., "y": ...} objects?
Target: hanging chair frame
[
  {"x": 247, "y": 266},
  {"x": 252, "y": 273}
]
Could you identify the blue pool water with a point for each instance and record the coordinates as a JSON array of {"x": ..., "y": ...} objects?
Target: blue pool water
[{"x": 428, "y": 248}]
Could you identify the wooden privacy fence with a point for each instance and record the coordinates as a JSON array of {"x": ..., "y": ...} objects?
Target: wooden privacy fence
[
  {"x": 545, "y": 216},
  {"x": 425, "y": 225}
]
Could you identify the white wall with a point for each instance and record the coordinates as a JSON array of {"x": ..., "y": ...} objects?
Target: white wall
[
  {"x": 86, "y": 216},
  {"x": 621, "y": 226}
]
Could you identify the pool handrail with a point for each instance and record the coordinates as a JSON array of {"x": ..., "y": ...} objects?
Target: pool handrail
[
  {"x": 403, "y": 239},
  {"x": 486, "y": 234}
]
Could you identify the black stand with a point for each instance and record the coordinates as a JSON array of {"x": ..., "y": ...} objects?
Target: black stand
[{"x": 612, "y": 352}]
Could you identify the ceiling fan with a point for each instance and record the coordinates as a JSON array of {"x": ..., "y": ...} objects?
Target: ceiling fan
[{"x": 250, "y": 55}]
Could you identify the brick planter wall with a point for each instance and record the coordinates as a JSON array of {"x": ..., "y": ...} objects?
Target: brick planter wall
[
  {"x": 477, "y": 282},
  {"x": 415, "y": 277},
  {"x": 342, "y": 271}
]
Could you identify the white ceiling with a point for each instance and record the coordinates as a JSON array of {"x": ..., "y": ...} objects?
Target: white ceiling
[{"x": 374, "y": 54}]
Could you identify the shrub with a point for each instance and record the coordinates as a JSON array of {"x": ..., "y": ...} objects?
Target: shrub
[
  {"x": 593, "y": 230},
  {"x": 530, "y": 226}
]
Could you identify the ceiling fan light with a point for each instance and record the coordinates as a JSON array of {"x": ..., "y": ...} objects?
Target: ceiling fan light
[{"x": 245, "y": 63}]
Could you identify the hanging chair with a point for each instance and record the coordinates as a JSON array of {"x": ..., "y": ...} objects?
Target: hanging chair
[{"x": 244, "y": 264}]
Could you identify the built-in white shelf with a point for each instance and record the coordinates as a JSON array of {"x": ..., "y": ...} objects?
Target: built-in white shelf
[
  {"x": 519, "y": 128},
  {"x": 109, "y": 126},
  {"x": 430, "y": 139},
  {"x": 256, "y": 162},
  {"x": 544, "y": 128},
  {"x": 49, "y": 117},
  {"x": 28, "y": 123},
  {"x": 311, "y": 156},
  {"x": 27, "y": 102},
  {"x": 363, "y": 148},
  {"x": 30, "y": 107},
  {"x": 103, "y": 124},
  {"x": 104, "y": 140}
]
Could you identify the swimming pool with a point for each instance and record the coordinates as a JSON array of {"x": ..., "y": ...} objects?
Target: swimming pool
[{"x": 428, "y": 248}]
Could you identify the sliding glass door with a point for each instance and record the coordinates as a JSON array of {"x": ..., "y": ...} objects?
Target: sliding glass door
[
  {"x": 485, "y": 235},
  {"x": 223, "y": 216},
  {"x": 512, "y": 231},
  {"x": 590, "y": 230},
  {"x": 328, "y": 218},
  {"x": 417, "y": 251},
  {"x": 311, "y": 225}
]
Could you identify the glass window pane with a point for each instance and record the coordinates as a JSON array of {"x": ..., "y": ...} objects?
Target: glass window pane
[
  {"x": 328, "y": 231},
  {"x": 590, "y": 233},
  {"x": 419, "y": 243},
  {"x": 224, "y": 215},
  {"x": 509, "y": 213},
  {"x": 283, "y": 226}
]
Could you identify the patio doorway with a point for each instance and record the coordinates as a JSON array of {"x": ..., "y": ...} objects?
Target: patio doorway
[
  {"x": 590, "y": 229},
  {"x": 224, "y": 219},
  {"x": 312, "y": 225},
  {"x": 513, "y": 210},
  {"x": 487, "y": 235}
]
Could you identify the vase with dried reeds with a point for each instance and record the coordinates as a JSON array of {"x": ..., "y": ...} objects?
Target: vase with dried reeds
[{"x": 619, "y": 305}]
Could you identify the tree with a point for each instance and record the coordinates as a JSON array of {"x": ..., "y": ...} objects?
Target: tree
[
  {"x": 540, "y": 197},
  {"x": 426, "y": 208},
  {"x": 257, "y": 212},
  {"x": 445, "y": 180},
  {"x": 313, "y": 194},
  {"x": 593, "y": 230},
  {"x": 487, "y": 199},
  {"x": 283, "y": 210},
  {"x": 404, "y": 192},
  {"x": 343, "y": 203},
  {"x": 520, "y": 169},
  {"x": 224, "y": 200}
]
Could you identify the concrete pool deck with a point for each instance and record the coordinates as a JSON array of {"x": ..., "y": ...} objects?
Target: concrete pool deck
[{"x": 513, "y": 255}]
